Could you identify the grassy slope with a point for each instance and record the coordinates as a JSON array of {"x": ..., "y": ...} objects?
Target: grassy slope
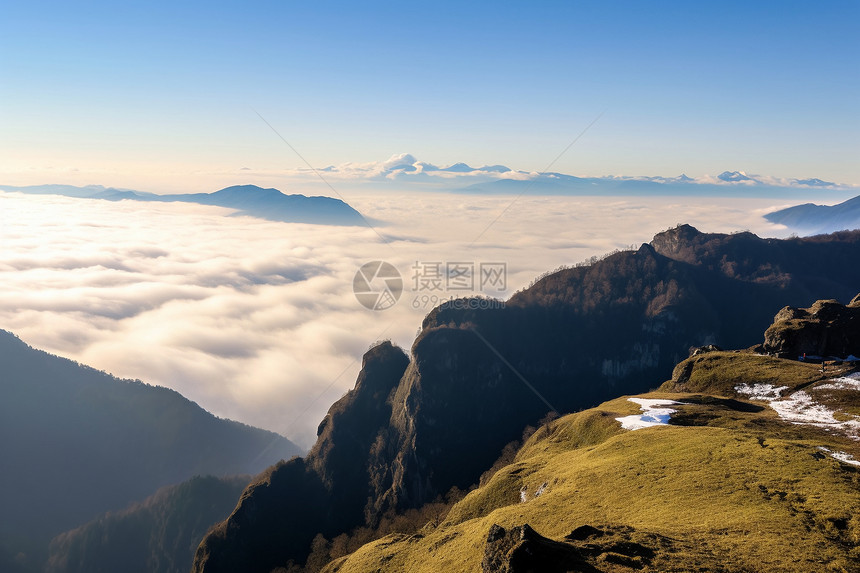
[
  {"x": 720, "y": 372},
  {"x": 733, "y": 490}
]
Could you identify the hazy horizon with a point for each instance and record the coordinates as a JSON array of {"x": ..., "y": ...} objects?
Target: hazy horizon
[
  {"x": 431, "y": 153},
  {"x": 166, "y": 98},
  {"x": 257, "y": 320}
]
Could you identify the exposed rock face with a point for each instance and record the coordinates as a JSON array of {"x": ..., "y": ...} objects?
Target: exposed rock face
[
  {"x": 827, "y": 328},
  {"x": 699, "y": 350},
  {"x": 522, "y": 550},
  {"x": 477, "y": 377},
  {"x": 284, "y": 508},
  {"x": 586, "y": 549}
]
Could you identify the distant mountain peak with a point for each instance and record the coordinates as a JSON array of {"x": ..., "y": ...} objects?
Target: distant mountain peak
[
  {"x": 810, "y": 218},
  {"x": 459, "y": 168},
  {"x": 813, "y": 182},
  {"x": 407, "y": 163},
  {"x": 248, "y": 190},
  {"x": 734, "y": 176},
  {"x": 251, "y": 200},
  {"x": 495, "y": 169},
  {"x": 399, "y": 161}
]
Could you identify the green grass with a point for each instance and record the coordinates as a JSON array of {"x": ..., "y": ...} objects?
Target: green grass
[
  {"x": 734, "y": 490},
  {"x": 719, "y": 372}
]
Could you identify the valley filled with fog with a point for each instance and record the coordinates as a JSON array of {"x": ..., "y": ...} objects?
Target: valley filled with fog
[{"x": 256, "y": 320}]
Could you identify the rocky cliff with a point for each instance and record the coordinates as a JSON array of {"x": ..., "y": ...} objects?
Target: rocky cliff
[
  {"x": 477, "y": 377},
  {"x": 826, "y": 329},
  {"x": 279, "y": 514}
]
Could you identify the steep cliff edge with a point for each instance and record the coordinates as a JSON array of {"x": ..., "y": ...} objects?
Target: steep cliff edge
[
  {"x": 284, "y": 508},
  {"x": 742, "y": 462},
  {"x": 724, "y": 486},
  {"x": 574, "y": 339},
  {"x": 825, "y": 329}
]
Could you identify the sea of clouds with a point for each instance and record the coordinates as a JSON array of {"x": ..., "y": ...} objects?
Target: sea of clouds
[{"x": 256, "y": 320}]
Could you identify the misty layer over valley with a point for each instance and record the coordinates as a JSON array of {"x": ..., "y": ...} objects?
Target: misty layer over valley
[
  {"x": 259, "y": 320},
  {"x": 256, "y": 320},
  {"x": 460, "y": 287}
]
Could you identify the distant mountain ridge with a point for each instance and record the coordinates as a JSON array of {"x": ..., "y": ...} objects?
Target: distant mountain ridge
[
  {"x": 250, "y": 200},
  {"x": 405, "y": 169},
  {"x": 726, "y": 184},
  {"x": 417, "y": 425},
  {"x": 76, "y": 442},
  {"x": 156, "y": 535},
  {"x": 810, "y": 218}
]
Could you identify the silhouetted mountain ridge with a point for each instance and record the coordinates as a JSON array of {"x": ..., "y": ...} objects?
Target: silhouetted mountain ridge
[
  {"x": 477, "y": 377},
  {"x": 91, "y": 442},
  {"x": 249, "y": 200},
  {"x": 810, "y": 218},
  {"x": 157, "y": 535}
]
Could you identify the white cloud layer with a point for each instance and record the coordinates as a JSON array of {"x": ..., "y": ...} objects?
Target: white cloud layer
[{"x": 256, "y": 320}]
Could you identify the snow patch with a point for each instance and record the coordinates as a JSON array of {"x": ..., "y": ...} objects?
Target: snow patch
[
  {"x": 841, "y": 456},
  {"x": 653, "y": 414},
  {"x": 850, "y": 382},
  {"x": 763, "y": 392},
  {"x": 524, "y": 492},
  {"x": 801, "y": 407}
]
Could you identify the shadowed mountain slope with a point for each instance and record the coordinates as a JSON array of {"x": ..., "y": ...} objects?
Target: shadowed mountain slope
[
  {"x": 157, "y": 535},
  {"x": 810, "y": 218},
  {"x": 76, "y": 442},
  {"x": 476, "y": 378},
  {"x": 751, "y": 463}
]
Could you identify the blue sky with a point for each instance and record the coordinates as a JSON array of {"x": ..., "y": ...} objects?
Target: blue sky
[{"x": 113, "y": 92}]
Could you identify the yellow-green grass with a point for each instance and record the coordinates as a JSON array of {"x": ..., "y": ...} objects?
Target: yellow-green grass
[
  {"x": 733, "y": 499},
  {"x": 846, "y": 402},
  {"x": 720, "y": 372}
]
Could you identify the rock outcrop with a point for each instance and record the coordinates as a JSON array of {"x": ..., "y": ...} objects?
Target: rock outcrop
[
  {"x": 522, "y": 550},
  {"x": 283, "y": 509},
  {"x": 826, "y": 329},
  {"x": 586, "y": 549}
]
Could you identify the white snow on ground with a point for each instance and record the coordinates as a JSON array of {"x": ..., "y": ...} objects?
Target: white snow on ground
[
  {"x": 841, "y": 456},
  {"x": 524, "y": 492},
  {"x": 850, "y": 382},
  {"x": 801, "y": 407},
  {"x": 653, "y": 414},
  {"x": 764, "y": 392}
]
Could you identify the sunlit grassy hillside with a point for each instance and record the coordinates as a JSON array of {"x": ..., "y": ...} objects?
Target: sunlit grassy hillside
[{"x": 735, "y": 488}]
